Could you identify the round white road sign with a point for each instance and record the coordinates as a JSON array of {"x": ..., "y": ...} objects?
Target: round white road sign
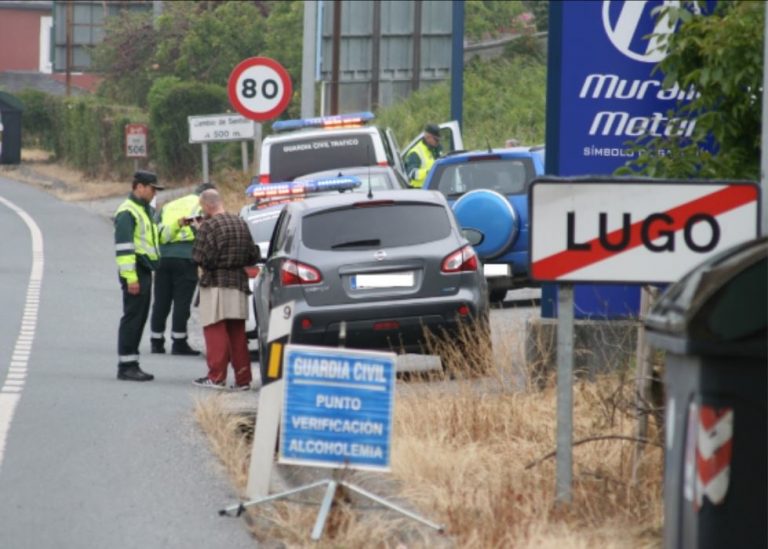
[{"x": 259, "y": 88}]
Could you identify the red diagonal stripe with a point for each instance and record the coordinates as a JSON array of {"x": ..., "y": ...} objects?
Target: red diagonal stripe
[
  {"x": 707, "y": 469},
  {"x": 562, "y": 263},
  {"x": 710, "y": 416}
]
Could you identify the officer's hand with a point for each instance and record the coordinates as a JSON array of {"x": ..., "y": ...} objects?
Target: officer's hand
[
  {"x": 183, "y": 221},
  {"x": 134, "y": 288}
]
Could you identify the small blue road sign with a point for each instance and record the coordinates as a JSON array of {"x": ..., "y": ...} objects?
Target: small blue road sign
[{"x": 337, "y": 408}]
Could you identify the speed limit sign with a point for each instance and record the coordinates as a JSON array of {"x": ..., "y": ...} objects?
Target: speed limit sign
[{"x": 259, "y": 88}]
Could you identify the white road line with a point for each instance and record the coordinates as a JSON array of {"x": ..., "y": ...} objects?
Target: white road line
[{"x": 10, "y": 391}]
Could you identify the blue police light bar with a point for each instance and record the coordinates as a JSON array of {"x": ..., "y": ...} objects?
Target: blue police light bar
[
  {"x": 336, "y": 121},
  {"x": 299, "y": 188}
]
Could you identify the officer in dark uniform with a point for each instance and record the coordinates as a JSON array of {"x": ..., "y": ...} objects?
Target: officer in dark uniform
[
  {"x": 137, "y": 254},
  {"x": 176, "y": 277}
]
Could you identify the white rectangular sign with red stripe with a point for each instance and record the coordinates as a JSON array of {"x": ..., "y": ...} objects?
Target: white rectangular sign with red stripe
[{"x": 613, "y": 230}]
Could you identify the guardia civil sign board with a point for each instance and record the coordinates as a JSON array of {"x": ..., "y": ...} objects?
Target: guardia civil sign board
[{"x": 337, "y": 407}]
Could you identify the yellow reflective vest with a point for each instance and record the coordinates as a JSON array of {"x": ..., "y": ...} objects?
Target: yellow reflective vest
[
  {"x": 427, "y": 159},
  {"x": 143, "y": 247},
  {"x": 169, "y": 228}
]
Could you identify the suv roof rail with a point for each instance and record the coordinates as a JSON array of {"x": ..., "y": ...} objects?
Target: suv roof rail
[
  {"x": 537, "y": 147},
  {"x": 354, "y": 119}
]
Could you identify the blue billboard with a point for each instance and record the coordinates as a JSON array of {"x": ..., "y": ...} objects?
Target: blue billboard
[
  {"x": 337, "y": 408},
  {"x": 603, "y": 94}
]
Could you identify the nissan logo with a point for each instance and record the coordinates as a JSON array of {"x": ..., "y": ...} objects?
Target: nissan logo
[{"x": 380, "y": 255}]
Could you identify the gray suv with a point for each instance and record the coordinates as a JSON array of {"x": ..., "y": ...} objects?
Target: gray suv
[{"x": 370, "y": 271}]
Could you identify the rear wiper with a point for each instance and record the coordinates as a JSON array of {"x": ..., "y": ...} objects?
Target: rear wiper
[
  {"x": 454, "y": 195},
  {"x": 354, "y": 243}
]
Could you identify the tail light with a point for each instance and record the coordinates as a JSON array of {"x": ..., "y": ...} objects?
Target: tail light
[
  {"x": 252, "y": 272},
  {"x": 294, "y": 272},
  {"x": 462, "y": 260},
  {"x": 382, "y": 163},
  {"x": 264, "y": 178}
]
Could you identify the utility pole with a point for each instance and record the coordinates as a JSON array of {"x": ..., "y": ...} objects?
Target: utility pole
[
  {"x": 764, "y": 142},
  {"x": 70, "y": 25},
  {"x": 336, "y": 57},
  {"x": 457, "y": 63},
  {"x": 308, "y": 56}
]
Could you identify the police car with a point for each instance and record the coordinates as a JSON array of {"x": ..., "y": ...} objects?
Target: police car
[
  {"x": 488, "y": 191},
  {"x": 308, "y": 145}
]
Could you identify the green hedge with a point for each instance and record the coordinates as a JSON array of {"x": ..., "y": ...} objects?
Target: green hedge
[
  {"x": 171, "y": 101},
  {"x": 83, "y": 132}
]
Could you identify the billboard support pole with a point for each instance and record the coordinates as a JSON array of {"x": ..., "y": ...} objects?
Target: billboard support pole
[
  {"x": 564, "y": 451},
  {"x": 457, "y": 63}
]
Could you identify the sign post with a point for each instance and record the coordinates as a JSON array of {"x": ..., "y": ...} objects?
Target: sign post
[{"x": 337, "y": 412}]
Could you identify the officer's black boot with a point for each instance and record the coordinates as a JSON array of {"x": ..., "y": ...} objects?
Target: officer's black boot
[
  {"x": 181, "y": 347},
  {"x": 132, "y": 372},
  {"x": 158, "y": 346}
]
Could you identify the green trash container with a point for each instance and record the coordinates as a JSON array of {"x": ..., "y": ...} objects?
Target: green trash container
[{"x": 713, "y": 324}]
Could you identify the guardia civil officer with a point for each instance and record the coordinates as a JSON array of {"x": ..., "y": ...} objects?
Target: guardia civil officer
[
  {"x": 136, "y": 249},
  {"x": 420, "y": 157},
  {"x": 176, "y": 276}
]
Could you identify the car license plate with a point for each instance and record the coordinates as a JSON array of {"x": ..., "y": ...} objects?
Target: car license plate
[
  {"x": 495, "y": 269},
  {"x": 385, "y": 280}
]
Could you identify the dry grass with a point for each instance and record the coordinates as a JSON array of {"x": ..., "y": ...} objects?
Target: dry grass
[
  {"x": 472, "y": 454},
  {"x": 39, "y": 169}
]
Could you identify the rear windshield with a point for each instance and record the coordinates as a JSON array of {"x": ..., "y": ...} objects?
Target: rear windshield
[
  {"x": 507, "y": 176},
  {"x": 375, "y": 227},
  {"x": 291, "y": 159}
]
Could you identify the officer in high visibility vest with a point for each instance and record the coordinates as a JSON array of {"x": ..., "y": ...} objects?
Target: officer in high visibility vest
[
  {"x": 420, "y": 157},
  {"x": 137, "y": 253},
  {"x": 176, "y": 277}
]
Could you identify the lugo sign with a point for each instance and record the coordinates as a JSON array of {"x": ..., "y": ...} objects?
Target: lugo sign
[{"x": 623, "y": 230}]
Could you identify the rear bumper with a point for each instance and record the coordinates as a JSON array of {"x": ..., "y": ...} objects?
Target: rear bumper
[
  {"x": 507, "y": 272},
  {"x": 359, "y": 321}
]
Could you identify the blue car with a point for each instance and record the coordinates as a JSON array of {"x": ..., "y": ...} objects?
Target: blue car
[{"x": 488, "y": 191}]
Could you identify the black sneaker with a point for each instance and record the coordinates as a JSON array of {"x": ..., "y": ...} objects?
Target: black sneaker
[
  {"x": 181, "y": 347},
  {"x": 236, "y": 387},
  {"x": 206, "y": 383}
]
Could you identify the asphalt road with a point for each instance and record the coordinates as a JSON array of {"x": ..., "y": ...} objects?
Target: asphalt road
[{"x": 87, "y": 461}]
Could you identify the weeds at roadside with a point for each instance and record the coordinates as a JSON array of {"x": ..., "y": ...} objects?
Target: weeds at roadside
[{"x": 475, "y": 456}]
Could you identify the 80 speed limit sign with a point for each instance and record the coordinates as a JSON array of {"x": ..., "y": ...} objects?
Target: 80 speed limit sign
[{"x": 259, "y": 88}]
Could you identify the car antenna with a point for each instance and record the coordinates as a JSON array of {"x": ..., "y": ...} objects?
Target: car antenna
[
  {"x": 370, "y": 189},
  {"x": 488, "y": 142}
]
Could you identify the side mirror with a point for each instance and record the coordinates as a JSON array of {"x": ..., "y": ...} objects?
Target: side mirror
[{"x": 474, "y": 236}]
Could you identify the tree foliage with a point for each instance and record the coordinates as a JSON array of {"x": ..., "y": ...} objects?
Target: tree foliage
[
  {"x": 484, "y": 19},
  {"x": 517, "y": 87},
  {"x": 721, "y": 55},
  {"x": 196, "y": 42},
  {"x": 125, "y": 57}
]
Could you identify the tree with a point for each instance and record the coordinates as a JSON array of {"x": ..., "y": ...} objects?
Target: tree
[
  {"x": 124, "y": 57},
  {"x": 721, "y": 55}
]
